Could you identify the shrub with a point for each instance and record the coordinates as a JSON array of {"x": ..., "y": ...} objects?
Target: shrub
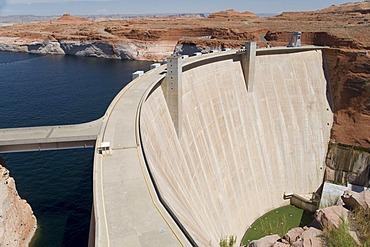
[
  {"x": 360, "y": 223},
  {"x": 335, "y": 237},
  {"x": 228, "y": 241}
]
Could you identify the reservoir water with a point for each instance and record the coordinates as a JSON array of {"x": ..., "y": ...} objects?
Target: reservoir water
[{"x": 39, "y": 90}]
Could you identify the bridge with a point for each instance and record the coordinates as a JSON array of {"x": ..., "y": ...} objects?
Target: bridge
[
  {"x": 49, "y": 137},
  {"x": 200, "y": 149}
]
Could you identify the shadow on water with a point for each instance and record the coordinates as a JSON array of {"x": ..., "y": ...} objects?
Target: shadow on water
[{"x": 81, "y": 213}]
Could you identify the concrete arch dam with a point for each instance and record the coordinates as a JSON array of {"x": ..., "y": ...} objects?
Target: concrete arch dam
[
  {"x": 198, "y": 152},
  {"x": 238, "y": 150}
]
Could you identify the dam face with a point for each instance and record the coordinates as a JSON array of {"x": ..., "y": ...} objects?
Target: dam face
[{"x": 239, "y": 151}]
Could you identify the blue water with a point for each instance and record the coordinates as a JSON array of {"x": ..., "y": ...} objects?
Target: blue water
[{"x": 40, "y": 90}]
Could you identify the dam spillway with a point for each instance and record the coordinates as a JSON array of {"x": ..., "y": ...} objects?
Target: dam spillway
[{"x": 238, "y": 151}]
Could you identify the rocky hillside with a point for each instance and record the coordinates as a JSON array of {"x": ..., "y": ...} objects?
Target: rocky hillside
[
  {"x": 155, "y": 38},
  {"x": 17, "y": 222}
]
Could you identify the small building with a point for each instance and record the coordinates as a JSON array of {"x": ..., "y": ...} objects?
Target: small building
[
  {"x": 105, "y": 149},
  {"x": 295, "y": 39},
  {"x": 155, "y": 65},
  {"x": 137, "y": 74}
]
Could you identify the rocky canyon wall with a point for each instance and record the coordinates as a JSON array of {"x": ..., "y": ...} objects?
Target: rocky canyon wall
[
  {"x": 121, "y": 50},
  {"x": 17, "y": 222},
  {"x": 346, "y": 163},
  {"x": 348, "y": 157},
  {"x": 349, "y": 74}
]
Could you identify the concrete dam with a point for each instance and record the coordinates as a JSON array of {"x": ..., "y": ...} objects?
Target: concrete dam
[
  {"x": 198, "y": 149},
  {"x": 239, "y": 150}
]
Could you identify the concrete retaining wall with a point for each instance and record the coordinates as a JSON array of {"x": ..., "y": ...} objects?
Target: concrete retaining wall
[{"x": 239, "y": 151}]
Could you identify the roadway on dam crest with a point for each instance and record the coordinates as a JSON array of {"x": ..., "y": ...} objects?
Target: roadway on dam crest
[{"x": 127, "y": 209}]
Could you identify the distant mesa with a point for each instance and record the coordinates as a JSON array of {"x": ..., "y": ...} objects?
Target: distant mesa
[
  {"x": 70, "y": 18},
  {"x": 231, "y": 13},
  {"x": 362, "y": 7}
]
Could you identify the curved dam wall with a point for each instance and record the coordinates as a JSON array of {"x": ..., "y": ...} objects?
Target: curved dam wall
[{"x": 239, "y": 151}]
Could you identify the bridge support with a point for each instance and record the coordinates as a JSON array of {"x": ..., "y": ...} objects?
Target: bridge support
[
  {"x": 248, "y": 63},
  {"x": 172, "y": 89}
]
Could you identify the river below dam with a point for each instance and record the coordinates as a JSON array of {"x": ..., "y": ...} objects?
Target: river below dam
[{"x": 39, "y": 90}]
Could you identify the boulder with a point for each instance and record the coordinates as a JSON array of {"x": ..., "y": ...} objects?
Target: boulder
[
  {"x": 292, "y": 235},
  {"x": 309, "y": 238},
  {"x": 265, "y": 241},
  {"x": 298, "y": 243},
  {"x": 331, "y": 216},
  {"x": 312, "y": 237},
  {"x": 354, "y": 200}
]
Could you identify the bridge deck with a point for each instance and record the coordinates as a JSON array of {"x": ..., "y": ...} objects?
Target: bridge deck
[{"x": 49, "y": 137}]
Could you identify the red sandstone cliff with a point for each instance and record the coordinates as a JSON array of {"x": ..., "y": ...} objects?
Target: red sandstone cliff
[{"x": 17, "y": 222}]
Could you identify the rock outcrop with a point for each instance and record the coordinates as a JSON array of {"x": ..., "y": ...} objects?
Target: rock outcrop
[
  {"x": 159, "y": 36},
  {"x": 310, "y": 237},
  {"x": 70, "y": 19},
  {"x": 292, "y": 235},
  {"x": 355, "y": 200},
  {"x": 331, "y": 216},
  {"x": 17, "y": 222},
  {"x": 126, "y": 51},
  {"x": 348, "y": 164},
  {"x": 232, "y": 14}
]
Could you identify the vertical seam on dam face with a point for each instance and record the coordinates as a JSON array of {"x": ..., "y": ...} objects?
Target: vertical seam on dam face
[{"x": 238, "y": 152}]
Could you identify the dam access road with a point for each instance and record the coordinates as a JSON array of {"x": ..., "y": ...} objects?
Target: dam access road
[{"x": 190, "y": 167}]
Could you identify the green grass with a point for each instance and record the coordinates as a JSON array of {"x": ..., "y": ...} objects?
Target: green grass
[
  {"x": 336, "y": 237},
  {"x": 228, "y": 241},
  {"x": 278, "y": 221},
  {"x": 359, "y": 221}
]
